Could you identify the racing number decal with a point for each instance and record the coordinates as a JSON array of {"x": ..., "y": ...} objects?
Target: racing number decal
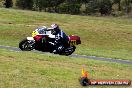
[
  {"x": 34, "y": 33},
  {"x": 73, "y": 42}
]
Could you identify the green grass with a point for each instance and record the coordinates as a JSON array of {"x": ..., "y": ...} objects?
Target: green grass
[
  {"x": 33, "y": 70},
  {"x": 101, "y": 36}
]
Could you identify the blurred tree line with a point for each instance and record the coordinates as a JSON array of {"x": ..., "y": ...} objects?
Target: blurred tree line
[{"x": 83, "y": 7}]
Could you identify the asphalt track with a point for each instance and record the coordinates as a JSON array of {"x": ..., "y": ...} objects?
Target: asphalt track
[{"x": 75, "y": 55}]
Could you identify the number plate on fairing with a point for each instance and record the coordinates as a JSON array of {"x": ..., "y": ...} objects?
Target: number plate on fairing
[{"x": 73, "y": 42}]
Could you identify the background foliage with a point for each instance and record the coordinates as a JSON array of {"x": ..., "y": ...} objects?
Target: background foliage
[{"x": 83, "y": 7}]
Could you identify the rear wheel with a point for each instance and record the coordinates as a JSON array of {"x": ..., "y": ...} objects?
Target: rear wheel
[
  {"x": 68, "y": 51},
  {"x": 26, "y": 45}
]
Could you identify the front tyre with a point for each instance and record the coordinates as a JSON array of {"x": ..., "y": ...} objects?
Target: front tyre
[{"x": 26, "y": 45}]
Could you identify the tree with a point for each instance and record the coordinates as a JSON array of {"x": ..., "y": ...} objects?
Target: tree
[
  {"x": 119, "y": 4},
  {"x": 69, "y": 6},
  {"x": 54, "y": 4},
  {"x": 105, "y": 6},
  {"x": 8, "y": 3},
  {"x": 24, "y": 4},
  {"x": 92, "y": 7},
  {"x": 126, "y": 5}
]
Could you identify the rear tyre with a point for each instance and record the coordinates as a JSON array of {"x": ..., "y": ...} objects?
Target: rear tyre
[
  {"x": 26, "y": 45},
  {"x": 68, "y": 51}
]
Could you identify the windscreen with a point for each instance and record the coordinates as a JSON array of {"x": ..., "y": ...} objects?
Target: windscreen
[{"x": 41, "y": 30}]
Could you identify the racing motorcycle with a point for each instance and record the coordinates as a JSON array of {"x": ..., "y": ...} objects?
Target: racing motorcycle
[{"x": 42, "y": 40}]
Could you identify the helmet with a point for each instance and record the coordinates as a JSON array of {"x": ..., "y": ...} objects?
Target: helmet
[{"x": 55, "y": 28}]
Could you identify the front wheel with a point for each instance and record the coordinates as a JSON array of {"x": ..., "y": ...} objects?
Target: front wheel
[
  {"x": 68, "y": 51},
  {"x": 26, "y": 45}
]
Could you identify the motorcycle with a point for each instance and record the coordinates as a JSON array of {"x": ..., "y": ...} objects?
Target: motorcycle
[{"x": 42, "y": 40}]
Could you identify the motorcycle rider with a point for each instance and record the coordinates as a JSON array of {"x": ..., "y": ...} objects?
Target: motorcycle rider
[{"x": 60, "y": 38}]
